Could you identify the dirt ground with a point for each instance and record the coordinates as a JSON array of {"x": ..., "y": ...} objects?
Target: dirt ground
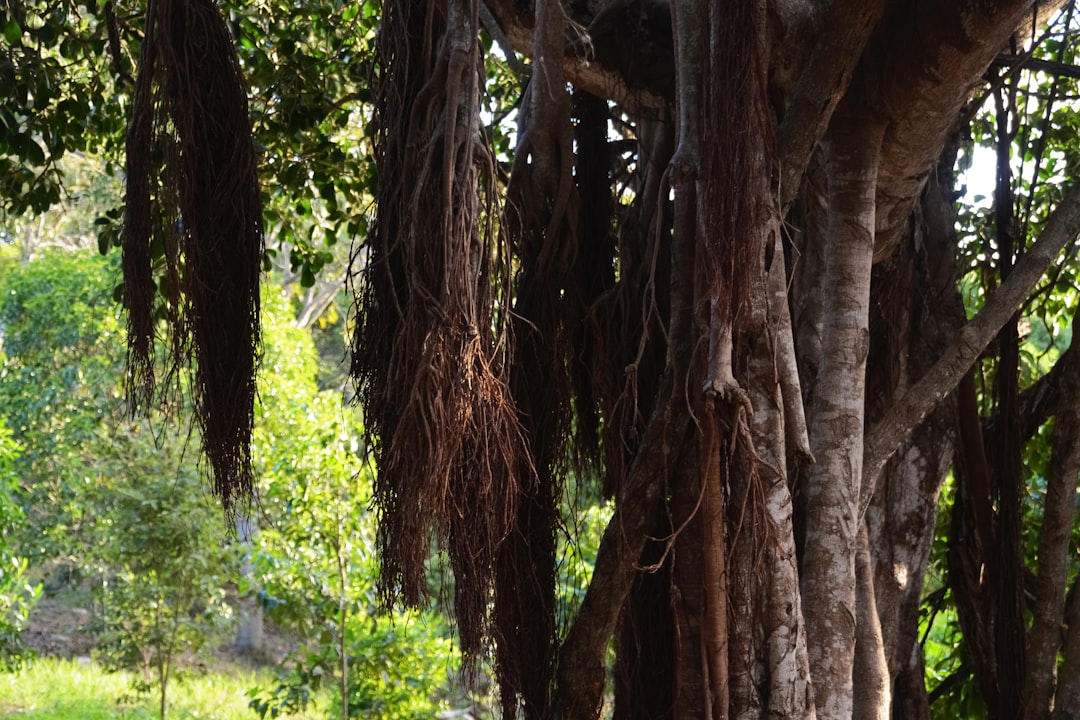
[
  {"x": 59, "y": 627},
  {"x": 59, "y": 630}
]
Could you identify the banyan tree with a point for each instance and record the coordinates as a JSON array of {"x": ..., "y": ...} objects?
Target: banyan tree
[{"x": 719, "y": 278}]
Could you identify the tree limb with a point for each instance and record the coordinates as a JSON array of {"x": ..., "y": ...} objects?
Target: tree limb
[
  {"x": 1049, "y": 67},
  {"x": 516, "y": 23},
  {"x": 913, "y": 406},
  {"x": 823, "y": 82}
]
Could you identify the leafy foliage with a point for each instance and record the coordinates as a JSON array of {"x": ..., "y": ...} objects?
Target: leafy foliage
[
  {"x": 60, "y": 394},
  {"x": 17, "y": 595},
  {"x": 103, "y": 491},
  {"x": 314, "y": 567},
  {"x": 57, "y": 95}
]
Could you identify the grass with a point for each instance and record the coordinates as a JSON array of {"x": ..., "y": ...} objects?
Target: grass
[{"x": 55, "y": 689}]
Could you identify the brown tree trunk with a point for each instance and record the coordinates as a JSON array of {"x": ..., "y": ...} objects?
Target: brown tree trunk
[
  {"x": 1067, "y": 699},
  {"x": 872, "y": 692},
  {"x": 1044, "y": 639}
]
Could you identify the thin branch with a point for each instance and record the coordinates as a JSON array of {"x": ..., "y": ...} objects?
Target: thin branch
[{"x": 1050, "y": 67}]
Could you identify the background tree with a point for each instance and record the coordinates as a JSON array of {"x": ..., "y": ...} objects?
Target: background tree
[
  {"x": 17, "y": 594},
  {"x": 107, "y": 497}
]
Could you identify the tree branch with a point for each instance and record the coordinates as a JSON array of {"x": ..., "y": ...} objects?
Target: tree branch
[
  {"x": 1049, "y": 67},
  {"x": 823, "y": 82},
  {"x": 912, "y": 407},
  {"x": 581, "y": 658},
  {"x": 612, "y": 84}
]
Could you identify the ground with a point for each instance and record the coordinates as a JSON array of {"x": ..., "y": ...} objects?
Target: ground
[{"x": 59, "y": 627}]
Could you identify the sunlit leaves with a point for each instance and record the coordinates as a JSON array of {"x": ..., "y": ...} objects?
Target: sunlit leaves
[
  {"x": 314, "y": 566},
  {"x": 57, "y": 95}
]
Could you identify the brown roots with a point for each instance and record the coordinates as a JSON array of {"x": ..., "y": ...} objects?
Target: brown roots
[
  {"x": 199, "y": 227},
  {"x": 429, "y": 351}
]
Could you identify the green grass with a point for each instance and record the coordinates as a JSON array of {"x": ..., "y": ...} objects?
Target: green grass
[{"x": 66, "y": 690}]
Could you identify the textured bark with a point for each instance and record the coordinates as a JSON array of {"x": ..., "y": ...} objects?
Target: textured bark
[
  {"x": 836, "y": 425},
  {"x": 872, "y": 687}
]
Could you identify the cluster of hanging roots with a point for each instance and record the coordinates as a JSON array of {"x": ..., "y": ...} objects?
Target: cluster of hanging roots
[
  {"x": 490, "y": 333},
  {"x": 475, "y": 372},
  {"x": 193, "y": 234},
  {"x": 465, "y": 384},
  {"x": 430, "y": 352}
]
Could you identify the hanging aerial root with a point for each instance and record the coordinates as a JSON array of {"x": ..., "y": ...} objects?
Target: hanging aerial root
[
  {"x": 732, "y": 207},
  {"x": 198, "y": 224},
  {"x": 429, "y": 350}
]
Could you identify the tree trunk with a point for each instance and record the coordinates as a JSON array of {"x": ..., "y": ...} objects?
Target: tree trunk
[
  {"x": 915, "y": 311},
  {"x": 1067, "y": 699},
  {"x": 836, "y": 424},
  {"x": 872, "y": 698},
  {"x": 1045, "y": 638},
  {"x": 790, "y": 693}
]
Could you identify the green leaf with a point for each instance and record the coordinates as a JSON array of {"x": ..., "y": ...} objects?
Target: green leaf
[
  {"x": 13, "y": 33},
  {"x": 33, "y": 153}
]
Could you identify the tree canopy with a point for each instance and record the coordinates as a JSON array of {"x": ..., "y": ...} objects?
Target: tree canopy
[{"x": 715, "y": 261}]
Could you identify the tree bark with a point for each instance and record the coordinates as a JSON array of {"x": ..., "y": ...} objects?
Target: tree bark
[
  {"x": 872, "y": 684},
  {"x": 1067, "y": 699},
  {"x": 1059, "y": 512},
  {"x": 836, "y": 425}
]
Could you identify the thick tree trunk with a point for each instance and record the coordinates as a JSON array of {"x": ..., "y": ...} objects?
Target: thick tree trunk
[
  {"x": 836, "y": 425},
  {"x": 916, "y": 310}
]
